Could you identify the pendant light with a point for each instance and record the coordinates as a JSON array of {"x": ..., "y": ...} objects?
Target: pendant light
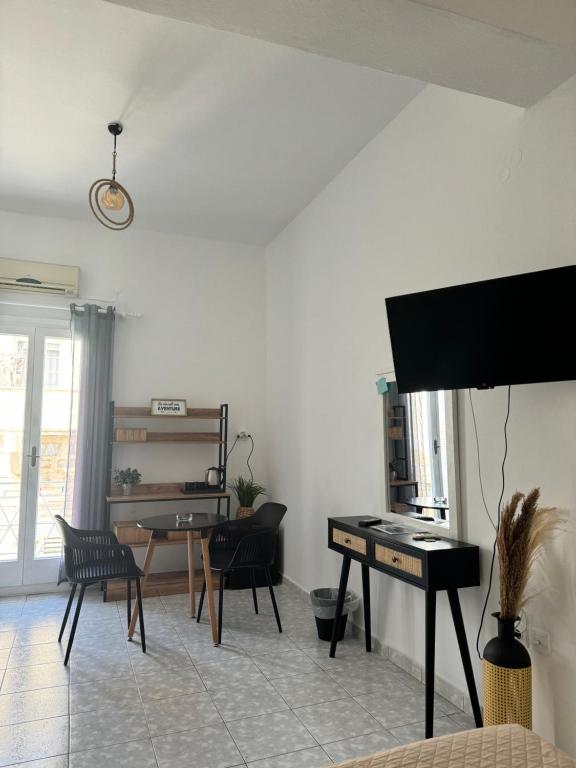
[{"x": 109, "y": 195}]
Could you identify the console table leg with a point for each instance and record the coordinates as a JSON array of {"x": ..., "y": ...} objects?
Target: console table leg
[
  {"x": 430, "y": 658},
  {"x": 465, "y": 654},
  {"x": 145, "y": 568},
  {"x": 340, "y": 602},
  {"x": 366, "y": 601}
]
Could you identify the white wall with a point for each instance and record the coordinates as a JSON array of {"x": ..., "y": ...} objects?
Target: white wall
[
  {"x": 456, "y": 189},
  {"x": 201, "y": 335}
]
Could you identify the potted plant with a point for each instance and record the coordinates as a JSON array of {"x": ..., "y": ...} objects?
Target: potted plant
[
  {"x": 247, "y": 492},
  {"x": 507, "y": 668},
  {"x": 127, "y": 478},
  {"x": 393, "y": 469}
]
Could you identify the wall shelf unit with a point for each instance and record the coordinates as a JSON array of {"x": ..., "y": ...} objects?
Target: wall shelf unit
[{"x": 127, "y": 531}]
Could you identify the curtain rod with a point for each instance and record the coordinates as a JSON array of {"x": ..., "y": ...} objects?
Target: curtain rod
[{"x": 136, "y": 315}]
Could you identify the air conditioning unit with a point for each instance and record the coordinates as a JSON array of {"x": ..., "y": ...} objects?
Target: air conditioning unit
[{"x": 35, "y": 277}]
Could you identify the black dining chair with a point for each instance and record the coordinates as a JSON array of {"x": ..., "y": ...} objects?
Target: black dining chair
[
  {"x": 249, "y": 543},
  {"x": 91, "y": 557}
]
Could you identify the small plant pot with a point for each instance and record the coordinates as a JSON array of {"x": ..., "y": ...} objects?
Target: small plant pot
[
  {"x": 244, "y": 512},
  {"x": 126, "y": 489}
]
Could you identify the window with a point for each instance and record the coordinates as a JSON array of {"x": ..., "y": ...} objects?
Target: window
[{"x": 52, "y": 365}]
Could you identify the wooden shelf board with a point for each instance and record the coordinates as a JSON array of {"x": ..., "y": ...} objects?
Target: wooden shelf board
[
  {"x": 162, "y": 492},
  {"x": 212, "y": 438},
  {"x": 159, "y": 584},
  {"x": 131, "y": 412}
]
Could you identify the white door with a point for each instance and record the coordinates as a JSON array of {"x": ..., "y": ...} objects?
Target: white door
[{"x": 35, "y": 429}]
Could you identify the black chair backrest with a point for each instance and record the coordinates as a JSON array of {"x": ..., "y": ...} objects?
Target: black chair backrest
[
  {"x": 269, "y": 515},
  {"x": 255, "y": 550}
]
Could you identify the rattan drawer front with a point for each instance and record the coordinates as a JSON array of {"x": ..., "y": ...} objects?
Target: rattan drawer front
[
  {"x": 395, "y": 559},
  {"x": 349, "y": 541}
]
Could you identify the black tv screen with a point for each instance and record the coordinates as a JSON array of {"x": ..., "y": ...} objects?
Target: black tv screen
[{"x": 513, "y": 330}]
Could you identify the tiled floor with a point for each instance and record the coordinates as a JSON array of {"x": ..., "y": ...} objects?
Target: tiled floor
[{"x": 263, "y": 699}]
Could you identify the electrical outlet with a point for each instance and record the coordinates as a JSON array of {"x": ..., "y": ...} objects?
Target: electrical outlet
[
  {"x": 539, "y": 640},
  {"x": 242, "y": 435}
]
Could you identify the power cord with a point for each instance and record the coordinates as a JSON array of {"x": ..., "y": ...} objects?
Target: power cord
[
  {"x": 488, "y": 515},
  {"x": 249, "y": 437},
  {"x": 249, "y": 456},
  {"x": 494, "y": 546}
]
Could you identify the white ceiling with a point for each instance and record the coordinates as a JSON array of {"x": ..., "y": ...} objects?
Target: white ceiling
[
  {"x": 512, "y": 50},
  {"x": 225, "y": 136}
]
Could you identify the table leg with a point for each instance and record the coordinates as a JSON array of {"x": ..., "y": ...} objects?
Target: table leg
[
  {"x": 146, "y": 568},
  {"x": 228, "y": 508},
  {"x": 366, "y": 601},
  {"x": 209, "y": 590},
  {"x": 465, "y": 654},
  {"x": 430, "y": 657},
  {"x": 340, "y": 602},
  {"x": 191, "y": 573}
]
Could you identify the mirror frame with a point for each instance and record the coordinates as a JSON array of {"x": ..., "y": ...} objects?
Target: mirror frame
[{"x": 453, "y": 469}]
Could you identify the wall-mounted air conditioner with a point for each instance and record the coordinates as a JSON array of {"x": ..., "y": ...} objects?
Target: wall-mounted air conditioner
[{"x": 32, "y": 276}]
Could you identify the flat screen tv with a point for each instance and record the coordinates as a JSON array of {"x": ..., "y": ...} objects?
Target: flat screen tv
[{"x": 513, "y": 330}]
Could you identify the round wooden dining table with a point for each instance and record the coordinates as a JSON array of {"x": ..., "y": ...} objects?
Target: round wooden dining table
[{"x": 199, "y": 525}]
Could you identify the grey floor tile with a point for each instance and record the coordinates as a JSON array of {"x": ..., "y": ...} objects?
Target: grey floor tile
[
  {"x": 238, "y": 701},
  {"x": 117, "y": 693},
  {"x": 61, "y": 761},
  {"x": 204, "y": 652},
  {"x": 209, "y": 747},
  {"x": 286, "y": 663},
  {"x": 255, "y": 644},
  {"x": 397, "y": 706},
  {"x": 7, "y": 639},
  {"x": 160, "y": 658},
  {"x": 363, "y": 678},
  {"x": 406, "y": 734},
  {"x": 220, "y": 674},
  {"x": 90, "y": 666},
  {"x": 315, "y": 757},
  {"x": 42, "y": 653},
  {"x": 360, "y": 746},
  {"x": 4, "y": 656},
  {"x": 313, "y": 688},
  {"x": 33, "y": 705},
  {"x": 32, "y": 678},
  {"x": 34, "y": 740},
  {"x": 463, "y": 720},
  {"x": 104, "y": 727},
  {"x": 35, "y": 635},
  {"x": 132, "y": 754},
  {"x": 167, "y": 683},
  {"x": 337, "y": 720},
  {"x": 270, "y": 735},
  {"x": 182, "y": 713}
]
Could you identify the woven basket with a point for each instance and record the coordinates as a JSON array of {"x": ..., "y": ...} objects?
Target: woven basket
[{"x": 244, "y": 512}]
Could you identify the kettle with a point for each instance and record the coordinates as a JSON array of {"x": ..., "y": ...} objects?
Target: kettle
[{"x": 214, "y": 477}]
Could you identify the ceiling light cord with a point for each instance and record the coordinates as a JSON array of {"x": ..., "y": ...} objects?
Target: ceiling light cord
[
  {"x": 114, "y": 153},
  {"x": 494, "y": 546}
]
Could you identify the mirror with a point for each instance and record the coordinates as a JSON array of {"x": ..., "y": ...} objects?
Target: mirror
[{"x": 421, "y": 458}]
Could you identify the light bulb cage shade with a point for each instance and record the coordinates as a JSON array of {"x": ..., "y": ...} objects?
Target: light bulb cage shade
[{"x": 96, "y": 206}]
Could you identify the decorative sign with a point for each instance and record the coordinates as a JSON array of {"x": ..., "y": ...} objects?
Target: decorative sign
[{"x": 168, "y": 407}]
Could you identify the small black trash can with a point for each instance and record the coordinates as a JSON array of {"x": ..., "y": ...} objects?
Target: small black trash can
[{"x": 323, "y": 603}]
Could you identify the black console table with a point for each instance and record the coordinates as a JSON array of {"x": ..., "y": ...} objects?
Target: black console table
[{"x": 429, "y": 565}]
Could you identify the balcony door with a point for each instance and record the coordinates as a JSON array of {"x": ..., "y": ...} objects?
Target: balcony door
[{"x": 36, "y": 426}]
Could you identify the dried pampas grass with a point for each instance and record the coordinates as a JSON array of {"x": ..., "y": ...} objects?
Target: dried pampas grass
[{"x": 521, "y": 534}]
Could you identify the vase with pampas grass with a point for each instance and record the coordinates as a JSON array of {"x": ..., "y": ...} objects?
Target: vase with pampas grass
[{"x": 524, "y": 527}]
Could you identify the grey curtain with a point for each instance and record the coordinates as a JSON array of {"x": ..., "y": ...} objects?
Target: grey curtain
[{"x": 93, "y": 341}]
